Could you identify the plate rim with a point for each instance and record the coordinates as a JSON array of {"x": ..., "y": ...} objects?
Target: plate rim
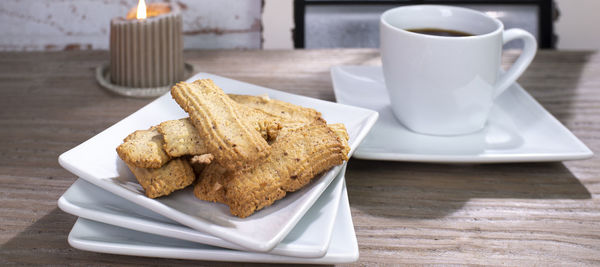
[
  {"x": 156, "y": 227},
  {"x": 351, "y": 255},
  {"x": 584, "y": 153}
]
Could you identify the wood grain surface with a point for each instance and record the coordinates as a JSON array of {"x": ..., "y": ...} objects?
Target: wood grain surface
[{"x": 404, "y": 213}]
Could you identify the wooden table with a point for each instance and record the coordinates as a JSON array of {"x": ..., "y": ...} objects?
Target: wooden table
[{"x": 515, "y": 214}]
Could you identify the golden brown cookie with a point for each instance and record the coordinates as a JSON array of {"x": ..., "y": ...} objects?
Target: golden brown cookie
[
  {"x": 199, "y": 162},
  {"x": 266, "y": 124},
  {"x": 227, "y": 135},
  {"x": 203, "y": 159},
  {"x": 340, "y": 131},
  {"x": 143, "y": 149},
  {"x": 295, "y": 159},
  {"x": 284, "y": 110},
  {"x": 211, "y": 183},
  {"x": 174, "y": 175},
  {"x": 291, "y": 116},
  {"x": 181, "y": 138}
]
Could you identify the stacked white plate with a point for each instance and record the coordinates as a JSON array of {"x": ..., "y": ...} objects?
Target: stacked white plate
[{"x": 312, "y": 225}]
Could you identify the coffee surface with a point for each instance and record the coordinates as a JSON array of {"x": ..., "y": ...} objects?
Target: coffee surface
[{"x": 440, "y": 32}]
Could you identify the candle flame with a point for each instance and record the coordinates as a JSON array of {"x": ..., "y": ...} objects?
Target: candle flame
[
  {"x": 141, "y": 9},
  {"x": 144, "y": 11}
]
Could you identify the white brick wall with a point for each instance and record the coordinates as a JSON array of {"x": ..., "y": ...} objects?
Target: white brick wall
[{"x": 30, "y": 25}]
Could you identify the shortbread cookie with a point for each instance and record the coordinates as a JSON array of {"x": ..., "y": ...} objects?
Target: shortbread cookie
[
  {"x": 227, "y": 135},
  {"x": 284, "y": 110},
  {"x": 181, "y": 138},
  {"x": 203, "y": 159},
  {"x": 214, "y": 180},
  {"x": 295, "y": 159},
  {"x": 266, "y": 124},
  {"x": 211, "y": 183},
  {"x": 291, "y": 116},
  {"x": 199, "y": 162},
  {"x": 174, "y": 175},
  {"x": 143, "y": 149},
  {"x": 340, "y": 130}
]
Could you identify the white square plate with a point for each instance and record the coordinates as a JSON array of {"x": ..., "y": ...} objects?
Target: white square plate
[
  {"x": 310, "y": 238},
  {"x": 99, "y": 237},
  {"x": 519, "y": 129},
  {"x": 96, "y": 161}
]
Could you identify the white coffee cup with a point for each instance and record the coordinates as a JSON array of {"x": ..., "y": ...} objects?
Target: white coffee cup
[{"x": 446, "y": 85}]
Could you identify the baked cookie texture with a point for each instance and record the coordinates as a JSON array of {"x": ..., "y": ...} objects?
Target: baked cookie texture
[
  {"x": 227, "y": 135},
  {"x": 211, "y": 183},
  {"x": 247, "y": 151},
  {"x": 267, "y": 116},
  {"x": 144, "y": 149},
  {"x": 295, "y": 159},
  {"x": 199, "y": 162},
  {"x": 340, "y": 131},
  {"x": 290, "y": 116},
  {"x": 181, "y": 138},
  {"x": 174, "y": 175},
  {"x": 143, "y": 152},
  {"x": 264, "y": 123},
  {"x": 278, "y": 108}
]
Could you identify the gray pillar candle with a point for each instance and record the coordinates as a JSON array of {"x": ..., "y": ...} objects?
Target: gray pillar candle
[{"x": 147, "y": 52}]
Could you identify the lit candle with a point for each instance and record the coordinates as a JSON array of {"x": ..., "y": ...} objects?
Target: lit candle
[{"x": 146, "y": 47}]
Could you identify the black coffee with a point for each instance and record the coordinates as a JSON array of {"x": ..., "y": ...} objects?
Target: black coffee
[{"x": 440, "y": 32}]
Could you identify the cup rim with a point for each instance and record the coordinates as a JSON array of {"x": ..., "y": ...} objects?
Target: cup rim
[{"x": 499, "y": 24}]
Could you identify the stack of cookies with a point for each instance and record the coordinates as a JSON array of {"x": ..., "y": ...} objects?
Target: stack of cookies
[{"x": 243, "y": 151}]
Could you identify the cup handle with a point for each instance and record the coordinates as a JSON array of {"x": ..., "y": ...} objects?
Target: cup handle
[{"x": 529, "y": 49}]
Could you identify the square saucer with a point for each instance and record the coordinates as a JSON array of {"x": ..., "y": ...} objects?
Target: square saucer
[
  {"x": 99, "y": 237},
  {"x": 96, "y": 161},
  {"x": 310, "y": 237},
  {"x": 519, "y": 129}
]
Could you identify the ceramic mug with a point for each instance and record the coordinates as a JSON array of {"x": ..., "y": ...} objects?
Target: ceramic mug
[{"x": 444, "y": 85}]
